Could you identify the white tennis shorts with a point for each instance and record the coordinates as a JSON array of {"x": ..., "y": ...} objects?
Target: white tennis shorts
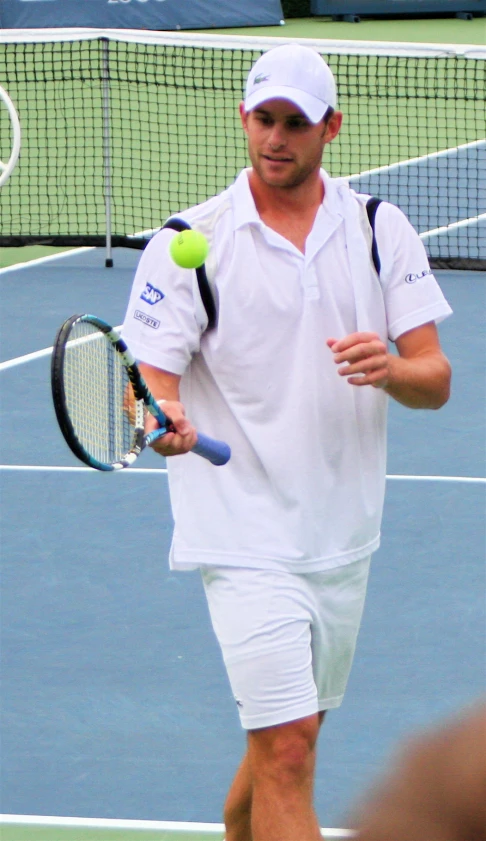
[{"x": 287, "y": 640}]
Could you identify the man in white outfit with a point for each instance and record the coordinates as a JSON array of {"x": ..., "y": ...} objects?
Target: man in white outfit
[{"x": 296, "y": 377}]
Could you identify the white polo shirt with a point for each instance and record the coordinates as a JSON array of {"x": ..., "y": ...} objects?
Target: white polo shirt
[{"x": 304, "y": 488}]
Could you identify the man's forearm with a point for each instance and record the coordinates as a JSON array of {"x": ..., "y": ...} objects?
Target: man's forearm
[{"x": 422, "y": 382}]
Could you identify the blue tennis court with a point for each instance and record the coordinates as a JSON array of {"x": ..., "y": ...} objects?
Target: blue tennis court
[
  {"x": 115, "y": 700},
  {"x": 116, "y": 705}
]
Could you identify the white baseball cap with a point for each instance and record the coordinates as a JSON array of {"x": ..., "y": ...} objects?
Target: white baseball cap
[{"x": 292, "y": 72}]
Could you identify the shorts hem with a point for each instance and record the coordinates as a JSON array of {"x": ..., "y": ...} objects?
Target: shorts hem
[
  {"x": 257, "y": 722},
  {"x": 330, "y": 703}
]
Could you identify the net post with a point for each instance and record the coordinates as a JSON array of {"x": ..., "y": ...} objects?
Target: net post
[{"x": 105, "y": 81}]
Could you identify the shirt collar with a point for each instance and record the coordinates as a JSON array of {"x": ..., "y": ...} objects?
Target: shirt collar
[
  {"x": 332, "y": 203},
  {"x": 245, "y": 212}
]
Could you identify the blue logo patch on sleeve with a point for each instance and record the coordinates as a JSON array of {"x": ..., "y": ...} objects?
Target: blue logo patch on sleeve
[{"x": 151, "y": 295}]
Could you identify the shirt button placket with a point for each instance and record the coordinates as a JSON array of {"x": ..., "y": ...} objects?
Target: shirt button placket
[{"x": 310, "y": 282}]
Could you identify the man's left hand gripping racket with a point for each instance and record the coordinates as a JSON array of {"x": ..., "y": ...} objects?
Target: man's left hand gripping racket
[{"x": 101, "y": 398}]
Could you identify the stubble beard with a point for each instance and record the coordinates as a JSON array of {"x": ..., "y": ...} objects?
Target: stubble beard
[{"x": 294, "y": 179}]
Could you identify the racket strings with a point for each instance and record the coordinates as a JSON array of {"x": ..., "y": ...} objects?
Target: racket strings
[{"x": 99, "y": 398}]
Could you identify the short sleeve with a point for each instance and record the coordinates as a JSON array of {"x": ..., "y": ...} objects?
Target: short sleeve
[
  {"x": 163, "y": 321},
  {"x": 412, "y": 294}
]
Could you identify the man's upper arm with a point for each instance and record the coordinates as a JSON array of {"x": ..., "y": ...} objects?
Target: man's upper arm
[
  {"x": 412, "y": 294},
  {"x": 161, "y": 383},
  {"x": 160, "y": 325}
]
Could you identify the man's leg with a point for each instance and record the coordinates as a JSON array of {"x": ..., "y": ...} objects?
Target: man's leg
[
  {"x": 237, "y": 809},
  {"x": 286, "y": 640},
  {"x": 282, "y": 762},
  {"x": 238, "y": 806}
]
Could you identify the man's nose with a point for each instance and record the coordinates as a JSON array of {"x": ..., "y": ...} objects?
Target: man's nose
[{"x": 277, "y": 137}]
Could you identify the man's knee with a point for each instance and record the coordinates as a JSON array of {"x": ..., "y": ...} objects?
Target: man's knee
[{"x": 286, "y": 750}]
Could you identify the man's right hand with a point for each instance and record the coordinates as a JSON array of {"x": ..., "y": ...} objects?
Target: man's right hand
[{"x": 176, "y": 443}]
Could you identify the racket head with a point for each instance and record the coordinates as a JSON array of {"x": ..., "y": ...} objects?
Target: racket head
[{"x": 98, "y": 413}]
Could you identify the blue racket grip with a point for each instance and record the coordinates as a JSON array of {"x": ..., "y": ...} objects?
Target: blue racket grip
[{"x": 217, "y": 452}]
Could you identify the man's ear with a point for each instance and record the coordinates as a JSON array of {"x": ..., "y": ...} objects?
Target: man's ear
[
  {"x": 244, "y": 117},
  {"x": 333, "y": 126}
]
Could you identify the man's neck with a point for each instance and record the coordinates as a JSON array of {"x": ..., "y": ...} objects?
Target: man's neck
[
  {"x": 288, "y": 211},
  {"x": 298, "y": 201}
]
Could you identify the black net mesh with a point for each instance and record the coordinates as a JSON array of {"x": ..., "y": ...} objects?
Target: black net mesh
[{"x": 154, "y": 128}]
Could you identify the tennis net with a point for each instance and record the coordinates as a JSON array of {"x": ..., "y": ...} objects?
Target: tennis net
[{"x": 121, "y": 128}]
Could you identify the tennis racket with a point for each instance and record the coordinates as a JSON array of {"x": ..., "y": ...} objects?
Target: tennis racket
[{"x": 101, "y": 398}]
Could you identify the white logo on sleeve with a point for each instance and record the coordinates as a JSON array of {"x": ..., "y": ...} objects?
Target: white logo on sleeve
[{"x": 147, "y": 319}]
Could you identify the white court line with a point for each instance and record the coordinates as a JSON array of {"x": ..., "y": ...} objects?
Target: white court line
[
  {"x": 432, "y": 155},
  {"x": 49, "y": 468},
  {"x": 154, "y": 826},
  {"x": 37, "y": 261},
  {"x": 356, "y": 176},
  {"x": 47, "y": 259},
  {"x": 106, "y": 823},
  {"x": 445, "y": 229},
  {"x": 472, "y": 480},
  {"x": 410, "y": 161},
  {"x": 425, "y": 235},
  {"x": 109, "y": 824},
  {"x": 30, "y": 357}
]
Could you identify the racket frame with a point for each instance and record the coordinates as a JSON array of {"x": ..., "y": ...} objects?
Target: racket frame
[
  {"x": 141, "y": 394},
  {"x": 216, "y": 451}
]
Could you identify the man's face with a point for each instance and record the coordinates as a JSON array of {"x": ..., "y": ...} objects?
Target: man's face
[{"x": 283, "y": 145}]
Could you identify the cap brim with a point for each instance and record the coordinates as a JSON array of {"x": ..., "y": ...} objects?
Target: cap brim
[{"x": 313, "y": 108}]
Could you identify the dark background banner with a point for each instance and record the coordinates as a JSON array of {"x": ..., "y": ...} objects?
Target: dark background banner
[{"x": 139, "y": 14}]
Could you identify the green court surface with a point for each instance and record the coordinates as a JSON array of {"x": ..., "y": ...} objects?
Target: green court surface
[
  {"x": 78, "y": 830},
  {"x": 414, "y": 30},
  {"x": 26, "y": 253},
  {"x": 25, "y": 828}
]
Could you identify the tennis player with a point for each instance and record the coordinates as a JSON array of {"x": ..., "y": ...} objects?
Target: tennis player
[{"x": 296, "y": 377}]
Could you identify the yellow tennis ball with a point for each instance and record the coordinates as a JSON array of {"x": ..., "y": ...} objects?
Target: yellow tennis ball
[{"x": 189, "y": 249}]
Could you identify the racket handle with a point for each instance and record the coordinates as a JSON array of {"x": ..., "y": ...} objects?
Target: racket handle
[{"x": 217, "y": 452}]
